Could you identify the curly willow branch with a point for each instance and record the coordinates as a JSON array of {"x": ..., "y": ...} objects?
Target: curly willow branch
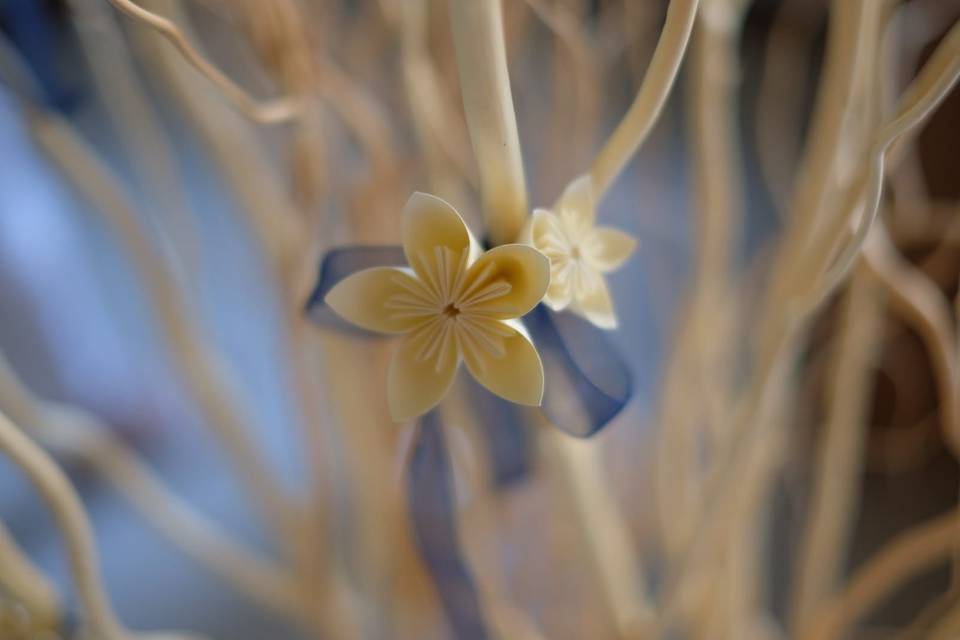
[
  {"x": 269, "y": 112},
  {"x": 26, "y": 582},
  {"x": 646, "y": 107},
  {"x": 910, "y": 553},
  {"x": 199, "y": 364},
  {"x": 76, "y": 433},
  {"x": 491, "y": 120},
  {"x": 932, "y": 85},
  {"x": 63, "y": 501}
]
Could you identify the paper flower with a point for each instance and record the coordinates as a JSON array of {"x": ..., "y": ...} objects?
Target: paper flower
[
  {"x": 580, "y": 253},
  {"x": 454, "y": 305}
]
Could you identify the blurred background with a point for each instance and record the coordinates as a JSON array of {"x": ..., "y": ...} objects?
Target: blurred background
[{"x": 158, "y": 245}]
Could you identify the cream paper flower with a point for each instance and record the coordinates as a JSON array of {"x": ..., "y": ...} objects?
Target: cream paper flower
[
  {"x": 580, "y": 253},
  {"x": 454, "y": 305}
]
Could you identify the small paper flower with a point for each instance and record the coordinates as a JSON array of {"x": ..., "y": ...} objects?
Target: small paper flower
[
  {"x": 580, "y": 253},
  {"x": 453, "y": 305}
]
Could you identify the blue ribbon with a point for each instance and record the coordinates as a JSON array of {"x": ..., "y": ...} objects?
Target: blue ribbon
[
  {"x": 587, "y": 384},
  {"x": 432, "y": 510},
  {"x": 587, "y": 380}
]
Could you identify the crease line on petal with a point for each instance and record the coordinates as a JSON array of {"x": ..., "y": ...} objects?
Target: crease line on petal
[
  {"x": 363, "y": 298},
  {"x": 523, "y": 268},
  {"x": 416, "y": 385},
  {"x": 517, "y": 376}
]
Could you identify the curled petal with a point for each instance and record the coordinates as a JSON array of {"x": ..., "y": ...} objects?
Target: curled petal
[
  {"x": 546, "y": 234},
  {"x": 430, "y": 225},
  {"x": 576, "y": 204},
  {"x": 507, "y": 281},
  {"x": 595, "y": 304},
  {"x": 515, "y": 374},
  {"x": 416, "y": 384},
  {"x": 609, "y": 248},
  {"x": 364, "y": 298},
  {"x": 559, "y": 294}
]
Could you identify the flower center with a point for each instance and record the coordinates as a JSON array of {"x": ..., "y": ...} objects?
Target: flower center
[
  {"x": 575, "y": 252},
  {"x": 451, "y": 311}
]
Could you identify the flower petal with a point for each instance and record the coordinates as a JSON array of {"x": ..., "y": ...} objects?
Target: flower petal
[
  {"x": 559, "y": 295},
  {"x": 596, "y": 305},
  {"x": 523, "y": 268},
  {"x": 546, "y": 233},
  {"x": 607, "y": 248},
  {"x": 517, "y": 375},
  {"x": 576, "y": 205},
  {"x": 430, "y": 223},
  {"x": 416, "y": 384},
  {"x": 362, "y": 298}
]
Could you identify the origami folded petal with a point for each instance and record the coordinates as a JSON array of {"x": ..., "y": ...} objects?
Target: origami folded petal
[
  {"x": 608, "y": 248},
  {"x": 522, "y": 268},
  {"x": 579, "y": 253},
  {"x": 363, "y": 299},
  {"x": 431, "y": 225},
  {"x": 514, "y": 371},
  {"x": 450, "y": 307},
  {"x": 416, "y": 382},
  {"x": 596, "y": 305}
]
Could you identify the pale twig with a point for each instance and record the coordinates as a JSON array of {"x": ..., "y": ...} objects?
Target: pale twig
[
  {"x": 922, "y": 305},
  {"x": 72, "y": 432},
  {"x": 789, "y": 46},
  {"x": 290, "y": 250},
  {"x": 481, "y": 61},
  {"x": 491, "y": 120},
  {"x": 137, "y": 124},
  {"x": 575, "y": 101},
  {"x": 270, "y": 112},
  {"x": 701, "y": 356},
  {"x": 646, "y": 107},
  {"x": 62, "y": 500},
  {"x": 905, "y": 556},
  {"x": 931, "y": 86},
  {"x": 199, "y": 364},
  {"x": 26, "y": 583},
  {"x": 850, "y": 32},
  {"x": 778, "y": 339},
  {"x": 713, "y": 75},
  {"x": 441, "y": 139},
  {"x": 840, "y": 450},
  {"x": 601, "y": 525}
]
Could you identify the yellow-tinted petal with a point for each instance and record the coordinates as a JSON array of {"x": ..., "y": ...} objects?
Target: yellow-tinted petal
[
  {"x": 546, "y": 233},
  {"x": 607, "y": 249},
  {"x": 576, "y": 205},
  {"x": 596, "y": 305},
  {"x": 416, "y": 384},
  {"x": 431, "y": 224},
  {"x": 516, "y": 375},
  {"x": 364, "y": 299},
  {"x": 558, "y": 296},
  {"x": 523, "y": 268}
]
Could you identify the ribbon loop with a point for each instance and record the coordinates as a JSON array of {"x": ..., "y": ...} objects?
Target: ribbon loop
[{"x": 433, "y": 513}]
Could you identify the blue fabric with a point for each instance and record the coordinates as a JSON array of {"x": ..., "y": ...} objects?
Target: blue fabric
[
  {"x": 337, "y": 265},
  {"x": 432, "y": 506},
  {"x": 587, "y": 380},
  {"x": 35, "y": 32},
  {"x": 587, "y": 384},
  {"x": 507, "y": 431}
]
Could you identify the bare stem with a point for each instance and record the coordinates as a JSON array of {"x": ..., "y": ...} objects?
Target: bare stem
[
  {"x": 646, "y": 107},
  {"x": 488, "y": 103},
  {"x": 67, "y": 509},
  {"x": 271, "y": 112}
]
